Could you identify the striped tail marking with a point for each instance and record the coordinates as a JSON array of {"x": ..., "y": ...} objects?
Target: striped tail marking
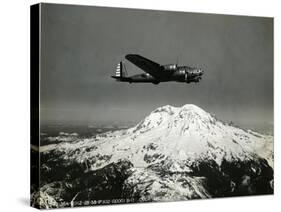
[{"x": 118, "y": 72}]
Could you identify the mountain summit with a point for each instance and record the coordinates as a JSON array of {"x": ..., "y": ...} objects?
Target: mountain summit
[
  {"x": 188, "y": 115},
  {"x": 174, "y": 153}
]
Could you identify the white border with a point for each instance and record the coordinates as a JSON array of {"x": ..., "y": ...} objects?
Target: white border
[{"x": 14, "y": 117}]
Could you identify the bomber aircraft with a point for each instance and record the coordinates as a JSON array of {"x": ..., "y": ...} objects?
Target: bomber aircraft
[{"x": 156, "y": 73}]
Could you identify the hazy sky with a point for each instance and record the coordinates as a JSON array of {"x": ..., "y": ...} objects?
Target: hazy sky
[{"x": 82, "y": 45}]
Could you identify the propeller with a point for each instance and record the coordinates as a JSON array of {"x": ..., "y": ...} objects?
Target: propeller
[{"x": 185, "y": 76}]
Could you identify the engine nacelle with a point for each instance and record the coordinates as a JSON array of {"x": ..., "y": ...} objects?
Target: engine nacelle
[{"x": 170, "y": 67}]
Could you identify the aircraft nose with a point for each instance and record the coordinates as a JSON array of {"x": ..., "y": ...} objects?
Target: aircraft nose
[{"x": 201, "y": 71}]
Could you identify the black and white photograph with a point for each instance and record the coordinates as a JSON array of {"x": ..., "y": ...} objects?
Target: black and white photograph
[{"x": 138, "y": 106}]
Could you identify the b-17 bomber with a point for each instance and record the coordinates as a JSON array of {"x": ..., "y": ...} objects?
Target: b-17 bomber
[{"x": 156, "y": 73}]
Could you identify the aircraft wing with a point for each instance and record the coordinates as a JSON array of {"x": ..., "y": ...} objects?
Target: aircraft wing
[{"x": 154, "y": 69}]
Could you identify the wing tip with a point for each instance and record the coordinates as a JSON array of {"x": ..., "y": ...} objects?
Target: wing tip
[{"x": 131, "y": 55}]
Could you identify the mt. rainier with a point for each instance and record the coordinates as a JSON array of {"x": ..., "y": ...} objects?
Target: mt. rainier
[{"x": 172, "y": 154}]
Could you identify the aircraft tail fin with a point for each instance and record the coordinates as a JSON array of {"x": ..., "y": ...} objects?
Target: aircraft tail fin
[{"x": 120, "y": 71}]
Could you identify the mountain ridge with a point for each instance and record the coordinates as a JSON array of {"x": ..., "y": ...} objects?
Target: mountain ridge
[
  {"x": 175, "y": 153},
  {"x": 187, "y": 130}
]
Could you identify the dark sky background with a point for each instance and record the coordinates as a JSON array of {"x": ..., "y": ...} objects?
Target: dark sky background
[{"x": 82, "y": 45}]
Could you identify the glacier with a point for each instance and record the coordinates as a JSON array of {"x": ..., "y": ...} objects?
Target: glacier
[{"x": 175, "y": 153}]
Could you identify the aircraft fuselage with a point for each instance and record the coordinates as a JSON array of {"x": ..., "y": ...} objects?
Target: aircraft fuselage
[
  {"x": 181, "y": 74},
  {"x": 156, "y": 73}
]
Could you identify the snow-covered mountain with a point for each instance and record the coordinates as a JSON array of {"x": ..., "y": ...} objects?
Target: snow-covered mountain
[{"x": 172, "y": 154}]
